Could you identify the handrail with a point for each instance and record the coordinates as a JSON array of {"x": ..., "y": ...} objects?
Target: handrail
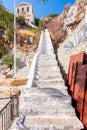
[
  {"x": 4, "y": 107},
  {"x": 9, "y": 112}
]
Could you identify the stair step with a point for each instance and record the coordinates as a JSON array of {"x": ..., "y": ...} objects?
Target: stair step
[
  {"x": 48, "y": 75},
  {"x": 47, "y": 64},
  {"x": 49, "y": 78},
  {"x": 48, "y": 84},
  {"x": 44, "y": 99},
  {"x": 45, "y": 91},
  {"x": 53, "y": 123},
  {"x": 50, "y": 56},
  {"x": 48, "y": 70},
  {"x": 46, "y": 110},
  {"x": 46, "y": 60},
  {"x": 48, "y": 123},
  {"x": 40, "y": 62}
]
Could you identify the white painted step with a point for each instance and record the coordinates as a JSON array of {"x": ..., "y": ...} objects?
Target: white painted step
[
  {"x": 57, "y": 69},
  {"x": 45, "y": 83},
  {"x": 46, "y": 60},
  {"x": 46, "y": 56},
  {"x": 48, "y": 109},
  {"x": 47, "y": 67},
  {"x": 59, "y": 124},
  {"x": 48, "y": 74},
  {"x": 49, "y": 123},
  {"x": 44, "y": 99},
  {"x": 49, "y": 78}
]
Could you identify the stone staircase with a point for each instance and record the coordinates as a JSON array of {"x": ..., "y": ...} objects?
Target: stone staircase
[{"x": 47, "y": 105}]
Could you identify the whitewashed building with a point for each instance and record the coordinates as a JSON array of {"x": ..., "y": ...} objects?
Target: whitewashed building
[{"x": 26, "y": 10}]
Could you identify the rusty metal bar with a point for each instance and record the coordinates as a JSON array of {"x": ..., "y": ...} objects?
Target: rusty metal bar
[{"x": 8, "y": 112}]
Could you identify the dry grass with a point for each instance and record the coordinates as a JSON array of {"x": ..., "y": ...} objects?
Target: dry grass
[{"x": 25, "y": 32}]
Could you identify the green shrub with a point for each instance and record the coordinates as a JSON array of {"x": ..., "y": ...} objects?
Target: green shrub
[
  {"x": 2, "y": 49},
  {"x": 41, "y": 26},
  {"x": 52, "y": 15},
  {"x": 35, "y": 30},
  {"x": 21, "y": 20},
  {"x": 20, "y": 17},
  {"x": 8, "y": 60}
]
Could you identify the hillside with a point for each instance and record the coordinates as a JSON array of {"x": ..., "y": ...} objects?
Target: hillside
[
  {"x": 62, "y": 26},
  {"x": 69, "y": 35},
  {"x": 26, "y": 46},
  {"x": 69, "y": 31}
]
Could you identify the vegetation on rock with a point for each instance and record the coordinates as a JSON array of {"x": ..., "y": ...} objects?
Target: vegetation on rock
[
  {"x": 52, "y": 15},
  {"x": 8, "y": 60},
  {"x": 2, "y": 50},
  {"x": 6, "y": 19}
]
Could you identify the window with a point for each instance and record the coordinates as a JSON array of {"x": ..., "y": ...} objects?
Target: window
[
  {"x": 17, "y": 11},
  {"x": 22, "y": 9},
  {"x": 27, "y": 9}
]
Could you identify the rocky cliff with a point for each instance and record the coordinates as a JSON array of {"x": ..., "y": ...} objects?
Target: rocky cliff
[
  {"x": 75, "y": 41},
  {"x": 69, "y": 31}
]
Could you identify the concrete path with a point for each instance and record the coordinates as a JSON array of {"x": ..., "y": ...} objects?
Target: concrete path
[{"x": 47, "y": 105}]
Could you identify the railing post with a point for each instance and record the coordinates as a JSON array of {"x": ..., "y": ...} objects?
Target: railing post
[
  {"x": 2, "y": 121},
  {"x": 17, "y": 105},
  {"x": 6, "y": 119},
  {"x": 10, "y": 110}
]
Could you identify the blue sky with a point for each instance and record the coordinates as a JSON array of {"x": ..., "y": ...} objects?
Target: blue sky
[{"x": 41, "y": 9}]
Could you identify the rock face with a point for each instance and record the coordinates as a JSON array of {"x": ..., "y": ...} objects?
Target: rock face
[
  {"x": 71, "y": 16},
  {"x": 62, "y": 26},
  {"x": 77, "y": 37},
  {"x": 75, "y": 42}
]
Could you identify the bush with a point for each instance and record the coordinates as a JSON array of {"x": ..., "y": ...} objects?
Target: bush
[
  {"x": 2, "y": 50},
  {"x": 52, "y": 15},
  {"x": 41, "y": 26},
  {"x": 8, "y": 60},
  {"x": 21, "y": 20},
  {"x": 35, "y": 30},
  {"x": 20, "y": 17}
]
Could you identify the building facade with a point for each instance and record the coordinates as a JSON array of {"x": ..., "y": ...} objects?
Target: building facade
[{"x": 26, "y": 10}]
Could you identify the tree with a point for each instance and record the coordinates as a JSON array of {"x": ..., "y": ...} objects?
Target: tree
[
  {"x": 43, "y": 1},
  {"x": 6, "y": 19},
  {"x": 37, "y": 21}
]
